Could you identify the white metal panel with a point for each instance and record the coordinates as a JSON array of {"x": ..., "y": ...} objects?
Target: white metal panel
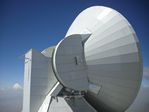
[
  {"x": 27, "y": 79},
  {"x": 94, "y": 88},
  {"x": 69, "y": 63},
  {"x": 48, "y": 51},
  {"x": 47, "y": 101},
  {"x": 39, "y": 80}
]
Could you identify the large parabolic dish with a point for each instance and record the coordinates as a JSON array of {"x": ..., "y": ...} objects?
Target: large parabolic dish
[
  {"x": 112, "y": 56},
  {"x": 96, "y": 67}
]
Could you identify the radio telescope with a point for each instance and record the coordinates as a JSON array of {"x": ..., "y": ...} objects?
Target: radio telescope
[{"x": 96, "y": 67}]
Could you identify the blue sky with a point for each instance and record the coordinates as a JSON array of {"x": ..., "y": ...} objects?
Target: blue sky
[{"x": 39, "y": 24}]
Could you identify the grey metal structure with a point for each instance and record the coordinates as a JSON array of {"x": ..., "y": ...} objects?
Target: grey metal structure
[
  {"x": 69, "y": 63},
  {"x": 96, "y": 67}
]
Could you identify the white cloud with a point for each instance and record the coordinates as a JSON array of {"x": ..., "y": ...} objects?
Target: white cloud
[
  {"x": 146, "y": 71},
  {"x": 17, "y": 86},
  {"x": 145, "y": 81},
  {"x": 2, "y": 89}
]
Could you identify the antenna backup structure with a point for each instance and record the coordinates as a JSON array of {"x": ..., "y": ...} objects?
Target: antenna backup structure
[{"x": 96, "y": 67}]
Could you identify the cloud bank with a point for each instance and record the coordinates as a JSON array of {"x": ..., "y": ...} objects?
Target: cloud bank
[{"x": 11, "y": 99}]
